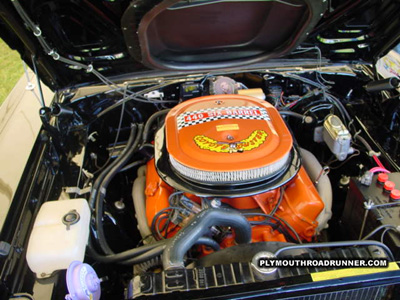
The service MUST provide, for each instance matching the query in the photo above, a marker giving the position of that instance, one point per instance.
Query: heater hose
(99, 201)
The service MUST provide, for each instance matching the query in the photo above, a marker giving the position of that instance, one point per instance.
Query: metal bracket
(78, 191)
(5, 248)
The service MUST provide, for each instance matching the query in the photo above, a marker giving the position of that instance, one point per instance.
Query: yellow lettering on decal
(227, 127)
(255, 139)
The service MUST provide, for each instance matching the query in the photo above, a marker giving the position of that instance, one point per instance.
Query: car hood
(70, 39)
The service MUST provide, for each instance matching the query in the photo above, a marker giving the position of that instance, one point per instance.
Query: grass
(11, 70)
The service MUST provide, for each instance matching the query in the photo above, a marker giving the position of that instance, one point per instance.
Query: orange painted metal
(227, 133)
(207, 132)
(260, 233)
(268, 200)
(157, 192)
(300, 205)
(264, 233)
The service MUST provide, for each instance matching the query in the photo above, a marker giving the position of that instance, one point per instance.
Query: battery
(388, 212)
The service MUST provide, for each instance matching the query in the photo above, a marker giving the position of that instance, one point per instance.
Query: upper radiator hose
(197, 227)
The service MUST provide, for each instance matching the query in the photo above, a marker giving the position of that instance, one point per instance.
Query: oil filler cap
(382, 178)
(388, 186)
(395, 195)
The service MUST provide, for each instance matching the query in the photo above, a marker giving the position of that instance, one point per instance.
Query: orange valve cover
(227, 139)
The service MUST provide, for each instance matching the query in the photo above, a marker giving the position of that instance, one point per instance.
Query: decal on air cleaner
(227, 127)
(255, 139)
(212, 114)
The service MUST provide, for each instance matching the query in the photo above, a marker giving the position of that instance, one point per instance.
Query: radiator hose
(177, 246)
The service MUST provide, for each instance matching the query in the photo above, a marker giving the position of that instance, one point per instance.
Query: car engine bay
(190, 179)
(191, 144)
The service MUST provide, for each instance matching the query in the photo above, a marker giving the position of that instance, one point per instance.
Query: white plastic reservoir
(59, 236)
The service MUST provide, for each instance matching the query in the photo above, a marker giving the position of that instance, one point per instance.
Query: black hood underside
(123, 37)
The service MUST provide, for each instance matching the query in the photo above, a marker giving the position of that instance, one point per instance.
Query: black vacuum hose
(304, 118)
(103, 189)
(125, 255)
(99, 179)
(150, 122)
(143, 253)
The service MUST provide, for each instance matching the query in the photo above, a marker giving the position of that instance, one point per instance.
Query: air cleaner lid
(227, 138)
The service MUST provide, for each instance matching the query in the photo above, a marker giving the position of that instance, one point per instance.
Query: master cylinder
(337, 137)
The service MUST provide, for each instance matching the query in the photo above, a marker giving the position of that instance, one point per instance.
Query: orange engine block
(300, 206)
